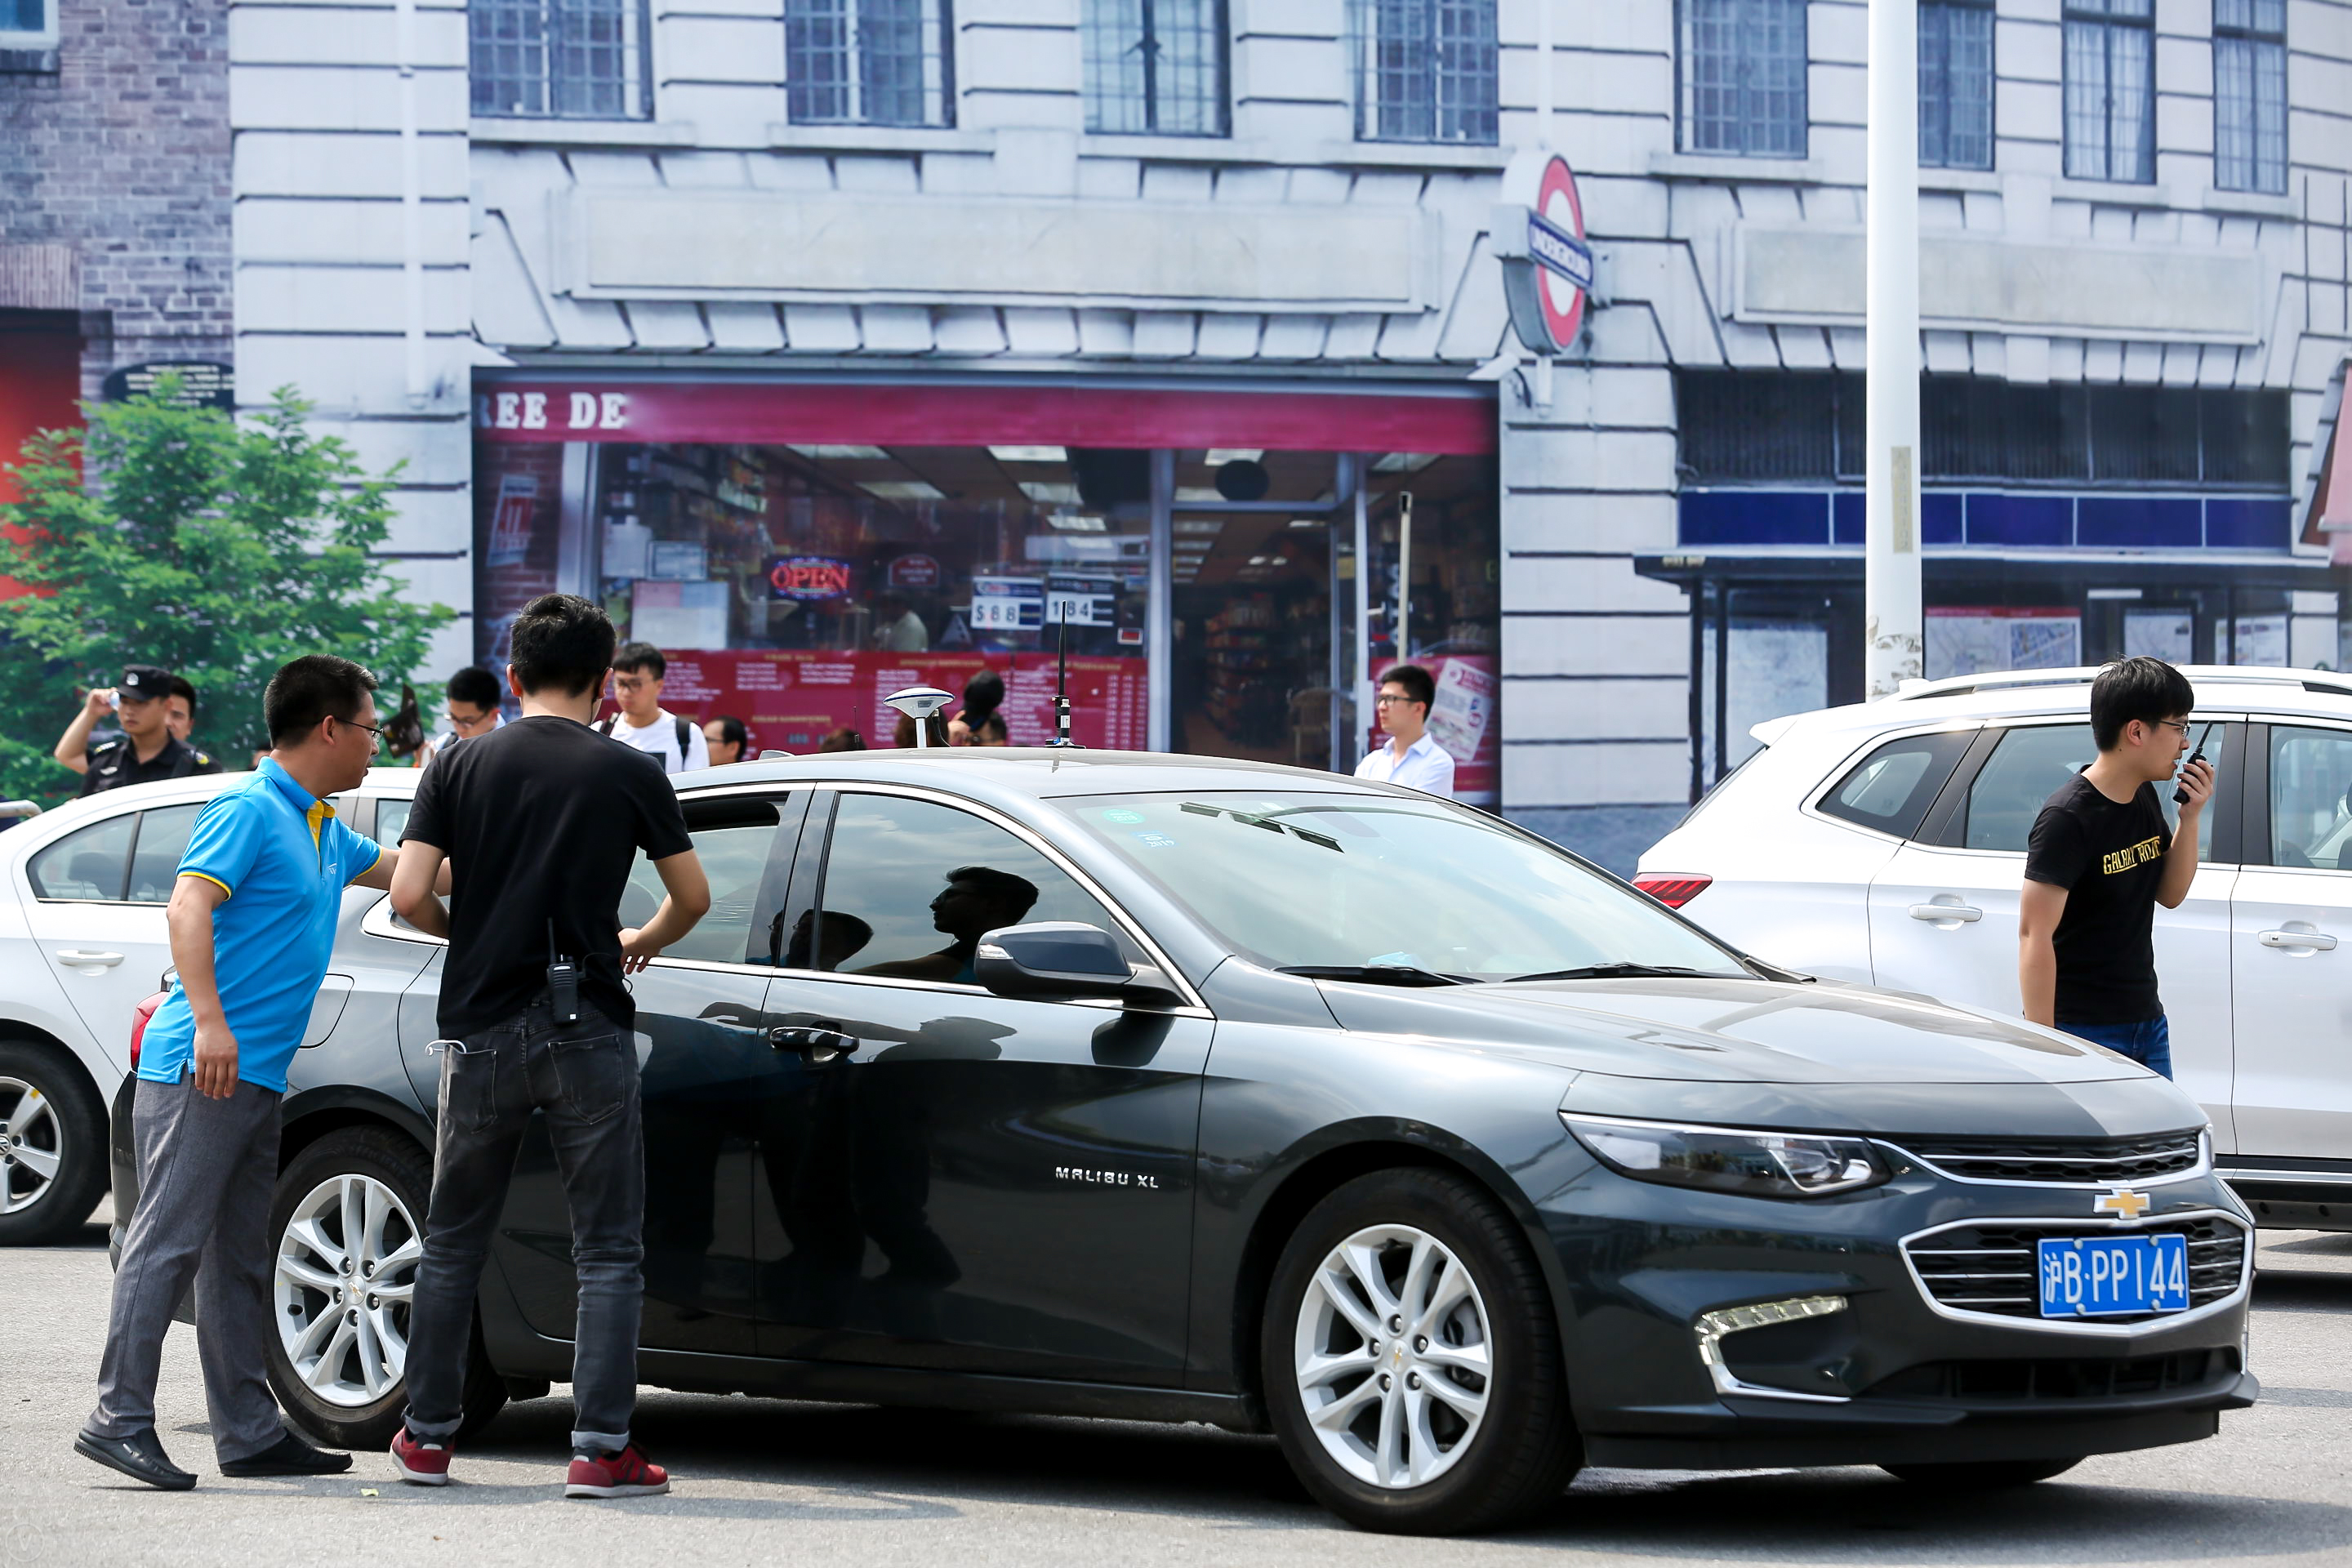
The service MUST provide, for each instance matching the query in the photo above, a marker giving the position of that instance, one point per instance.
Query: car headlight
(1729, 1159)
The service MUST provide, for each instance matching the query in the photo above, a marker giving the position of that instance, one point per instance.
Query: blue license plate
(2102, 1276)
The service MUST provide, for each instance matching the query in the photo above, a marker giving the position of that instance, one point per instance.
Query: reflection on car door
(2291, 947)
(100, 914)
(985, 1185)
(702, 1049)
(1943, 914)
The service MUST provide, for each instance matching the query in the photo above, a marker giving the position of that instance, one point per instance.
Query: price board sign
(1007, 604)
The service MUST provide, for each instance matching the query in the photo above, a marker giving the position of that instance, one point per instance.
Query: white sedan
(82, 943)
(1885, 842)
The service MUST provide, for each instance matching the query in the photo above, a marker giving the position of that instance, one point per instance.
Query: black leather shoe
(289, 1456)
(139, 1456)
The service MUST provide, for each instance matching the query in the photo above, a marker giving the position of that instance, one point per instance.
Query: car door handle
(77, 956)
(1960, 914)
(2312, 939)
(820, 1042)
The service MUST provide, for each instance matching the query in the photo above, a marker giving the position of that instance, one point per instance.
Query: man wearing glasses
(1411, 755)
(2100, 858)
(474, 701)
(252, 921)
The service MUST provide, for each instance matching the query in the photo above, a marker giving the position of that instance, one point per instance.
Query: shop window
(2249, 95)
(1743, 76)
(1156, 66)
(571, 60)
(869, 62)
(1426, 71)
(2110, 73)
(1956, 83)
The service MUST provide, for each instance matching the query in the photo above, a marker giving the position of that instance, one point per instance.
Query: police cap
(145, 681)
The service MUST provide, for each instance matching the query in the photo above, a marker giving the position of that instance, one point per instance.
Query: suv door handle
(2311, 939)
(820, 1042)
(1958, 914)
(76, 955)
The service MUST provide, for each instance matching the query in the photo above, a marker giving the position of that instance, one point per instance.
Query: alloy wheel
(346, 1278)
(1392, 1356)
(32, 1145)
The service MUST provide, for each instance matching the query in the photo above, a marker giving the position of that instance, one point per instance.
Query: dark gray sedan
(1155, 1088)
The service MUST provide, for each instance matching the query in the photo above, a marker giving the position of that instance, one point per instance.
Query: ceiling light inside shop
(865, 452)
(1404, 462)
(1208, 525)
(1193, 494)
(1048, 495)
(1028, 454)
(902, 490)
(1308, 522)
(1218, 457)
(1077, 522)
(1260, 560)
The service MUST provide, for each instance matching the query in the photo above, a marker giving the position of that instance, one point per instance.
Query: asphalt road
(762, 1481)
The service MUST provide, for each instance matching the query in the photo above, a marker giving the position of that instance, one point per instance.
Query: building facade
(838, 342)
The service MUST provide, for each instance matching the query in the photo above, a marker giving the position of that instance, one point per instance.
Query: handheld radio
(562, 981)
(2180, 795)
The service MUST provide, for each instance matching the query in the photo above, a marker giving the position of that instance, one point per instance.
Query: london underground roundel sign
(1538, 235)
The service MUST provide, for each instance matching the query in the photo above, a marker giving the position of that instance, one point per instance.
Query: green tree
(177, 536)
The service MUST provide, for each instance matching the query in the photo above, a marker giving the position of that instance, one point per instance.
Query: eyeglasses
(477, 721)
(2175, 724)
(1391, 699)
(377, 733)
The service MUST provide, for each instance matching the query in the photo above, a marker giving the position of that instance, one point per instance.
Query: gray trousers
(207, 1170)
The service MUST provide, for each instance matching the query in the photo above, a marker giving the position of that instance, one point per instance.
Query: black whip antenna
(1062, 684)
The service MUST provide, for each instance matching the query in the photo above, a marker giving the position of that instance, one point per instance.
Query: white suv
(1885, 842)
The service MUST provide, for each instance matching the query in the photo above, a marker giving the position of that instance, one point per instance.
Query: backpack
(605, 727)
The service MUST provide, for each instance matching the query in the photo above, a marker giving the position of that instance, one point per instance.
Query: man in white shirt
(1411, 755)
(643, 722)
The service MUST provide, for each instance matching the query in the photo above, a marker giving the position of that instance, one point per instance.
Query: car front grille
(2072, 1378)
(1990, 1268)
(2090, 1161)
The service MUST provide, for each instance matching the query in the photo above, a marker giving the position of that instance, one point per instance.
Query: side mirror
(1064, 959)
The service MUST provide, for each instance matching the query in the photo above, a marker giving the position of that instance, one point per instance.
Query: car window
(2032, 760)
(1892, 788)
(390, 819)
(735, 839)
(910, 886)
(155, 861)
(2311, 818)
(89, 866)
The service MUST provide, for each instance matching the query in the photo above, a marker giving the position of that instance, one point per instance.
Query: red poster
(793, 697)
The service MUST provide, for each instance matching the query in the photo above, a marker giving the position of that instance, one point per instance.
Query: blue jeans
(2148, 1043)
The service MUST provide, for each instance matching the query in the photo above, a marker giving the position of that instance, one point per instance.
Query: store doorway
(1252, 616)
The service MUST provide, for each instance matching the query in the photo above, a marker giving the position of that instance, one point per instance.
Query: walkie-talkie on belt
(563, 981)
(2180, 795)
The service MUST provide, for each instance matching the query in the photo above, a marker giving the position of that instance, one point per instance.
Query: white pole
(1403, 638)
(1544, 93)
(1893, 630)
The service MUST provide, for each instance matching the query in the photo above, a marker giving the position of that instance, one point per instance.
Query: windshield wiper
(1373, 974)
(1633, 972)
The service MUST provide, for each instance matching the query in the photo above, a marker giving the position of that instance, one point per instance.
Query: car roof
(1039, 773)
(2027, 693)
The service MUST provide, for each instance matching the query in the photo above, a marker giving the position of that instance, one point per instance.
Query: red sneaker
(625, 1474)
(420, 1464)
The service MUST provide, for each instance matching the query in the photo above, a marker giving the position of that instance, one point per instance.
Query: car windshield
(1355, 882)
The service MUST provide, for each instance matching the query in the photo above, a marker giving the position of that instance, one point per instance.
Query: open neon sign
(808, 577)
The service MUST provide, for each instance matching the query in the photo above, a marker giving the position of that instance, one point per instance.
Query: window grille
(2249, 95)
(1956, 84)
(567, 60)
(1156, 66)
(1743, 69)
(1425, 70)
(868, 62)
(2111, 90)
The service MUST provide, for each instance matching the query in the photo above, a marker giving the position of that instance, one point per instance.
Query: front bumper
(1856, 1362)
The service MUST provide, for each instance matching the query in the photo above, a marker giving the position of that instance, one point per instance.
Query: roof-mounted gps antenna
(921, 703)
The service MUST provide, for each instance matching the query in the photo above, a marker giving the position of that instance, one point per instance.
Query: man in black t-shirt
(540, 821)
(2101, 859)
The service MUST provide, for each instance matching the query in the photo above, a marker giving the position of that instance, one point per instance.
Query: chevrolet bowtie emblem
(2123, 1203)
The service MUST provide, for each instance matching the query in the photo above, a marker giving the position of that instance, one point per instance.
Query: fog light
(1712, 1328)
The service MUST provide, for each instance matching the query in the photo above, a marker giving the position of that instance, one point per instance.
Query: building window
(1156, 66)
(2249, 95)
(568, 60)
(1425, 70)
(28, 24)
(2111, 90)
(1743, 89)
(869, 62)
(1956, 84)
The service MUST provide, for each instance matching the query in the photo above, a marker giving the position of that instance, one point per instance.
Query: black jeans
(585, 1077)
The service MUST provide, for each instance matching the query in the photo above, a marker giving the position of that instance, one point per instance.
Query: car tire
(53, 1162)
(341, 1382)
(1980, 1475)
(1440, 1447)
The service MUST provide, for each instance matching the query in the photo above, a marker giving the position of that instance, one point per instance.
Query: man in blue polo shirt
(252, 921)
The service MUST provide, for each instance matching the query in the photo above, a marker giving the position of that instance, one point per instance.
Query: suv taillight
(138, 1017)
(1672, 890)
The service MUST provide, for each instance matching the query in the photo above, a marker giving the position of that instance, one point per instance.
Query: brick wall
(117, 146)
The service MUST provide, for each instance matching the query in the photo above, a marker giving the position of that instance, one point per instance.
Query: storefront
(1220, 567)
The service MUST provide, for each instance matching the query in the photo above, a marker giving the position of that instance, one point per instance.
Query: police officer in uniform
(148, 749)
